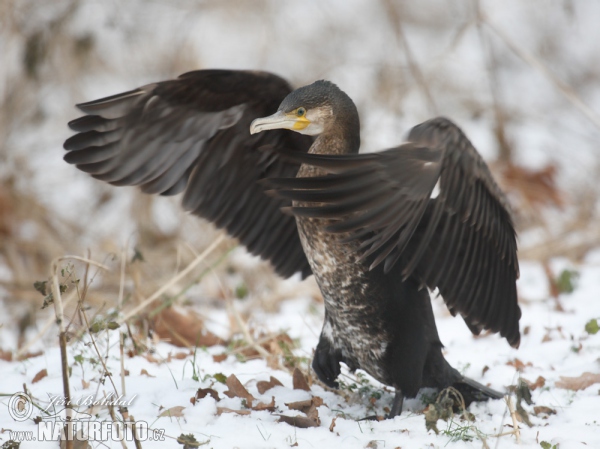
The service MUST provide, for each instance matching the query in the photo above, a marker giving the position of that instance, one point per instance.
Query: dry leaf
(543, 410)
(578, 383)
(301, 422)
(178, 356)
(539, 382)
(39, 376)
(85, 384)
(151, 358)
(173, 412)
(262, 406)
(309, 407)
(218, 358)
(146, 373)
(332, 425)
(236, 389)
(229, 410)
(6, 355)
(183, 330)
(520, 366)
(300, 382)
(202, 393)
(264, 385)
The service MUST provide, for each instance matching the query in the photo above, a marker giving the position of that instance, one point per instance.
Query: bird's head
(310, 110)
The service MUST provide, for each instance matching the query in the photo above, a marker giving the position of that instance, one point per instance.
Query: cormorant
(368, 226)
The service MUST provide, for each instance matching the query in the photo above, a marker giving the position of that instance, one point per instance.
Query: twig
(62, 337)
(532, 60)
(111, 412)
(415, 71)
(173, 280)
(513, 415)
(230, 306)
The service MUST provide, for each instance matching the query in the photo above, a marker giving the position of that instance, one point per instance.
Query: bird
(280, 170)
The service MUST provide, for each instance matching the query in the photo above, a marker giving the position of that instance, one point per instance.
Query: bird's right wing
(192, 135)
(461, 242)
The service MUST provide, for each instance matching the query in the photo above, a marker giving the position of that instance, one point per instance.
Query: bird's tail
(472, 390)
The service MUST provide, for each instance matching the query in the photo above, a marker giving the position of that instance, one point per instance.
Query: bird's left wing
(462, 241)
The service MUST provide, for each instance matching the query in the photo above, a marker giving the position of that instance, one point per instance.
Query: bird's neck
(337, 141)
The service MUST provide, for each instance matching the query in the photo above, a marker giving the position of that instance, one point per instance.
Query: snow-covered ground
(101, 48)
(554, 345)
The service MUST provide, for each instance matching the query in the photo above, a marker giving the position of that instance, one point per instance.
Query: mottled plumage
(365, 225)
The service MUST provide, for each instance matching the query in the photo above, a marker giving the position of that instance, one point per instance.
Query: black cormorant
(366, 225)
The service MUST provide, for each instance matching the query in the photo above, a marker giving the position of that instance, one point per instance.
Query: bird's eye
(300, 112)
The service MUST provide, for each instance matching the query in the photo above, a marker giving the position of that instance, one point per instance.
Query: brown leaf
(218, 358)
(301, 422)
(221, 410)
(202, 393)
(151, 358)
(6, 355)
(578, 383)
(143, 372)
(236, 389)
(303, 406)
(332, 425)
(264, 385)
(543, 410)
(85, 384)
(520, 366)
(183, 330)
(179, 355)
(173, 412)
(309, 407)
(262, 406)
(539, 382)
(300, 382)
(39, 376)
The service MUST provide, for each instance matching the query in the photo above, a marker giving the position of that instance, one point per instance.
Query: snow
(353, 44)
(568, 351)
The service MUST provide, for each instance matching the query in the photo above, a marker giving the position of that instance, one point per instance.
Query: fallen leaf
(332, 425)
(543, 410)
(539, 382)
(302, 422)
(578, 383)
(221, 410)
(146, 373)
(263, 385)
(309, 407)
(262, 406)
(218, 358)
(173, 412)
(520, 366)
(300, 382)
(183, 330)
(179, 356)
(236, 389)
(39, 376)
(202, 393)
(6, 355)
(152, 359)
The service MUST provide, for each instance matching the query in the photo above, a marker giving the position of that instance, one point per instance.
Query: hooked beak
(279, 120)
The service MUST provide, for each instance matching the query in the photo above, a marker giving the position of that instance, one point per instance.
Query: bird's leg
(397, 405)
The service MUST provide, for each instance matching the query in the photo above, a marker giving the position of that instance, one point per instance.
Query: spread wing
(462, 241)
(192, 135)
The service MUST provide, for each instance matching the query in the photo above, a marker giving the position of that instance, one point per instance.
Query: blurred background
(521, 78)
